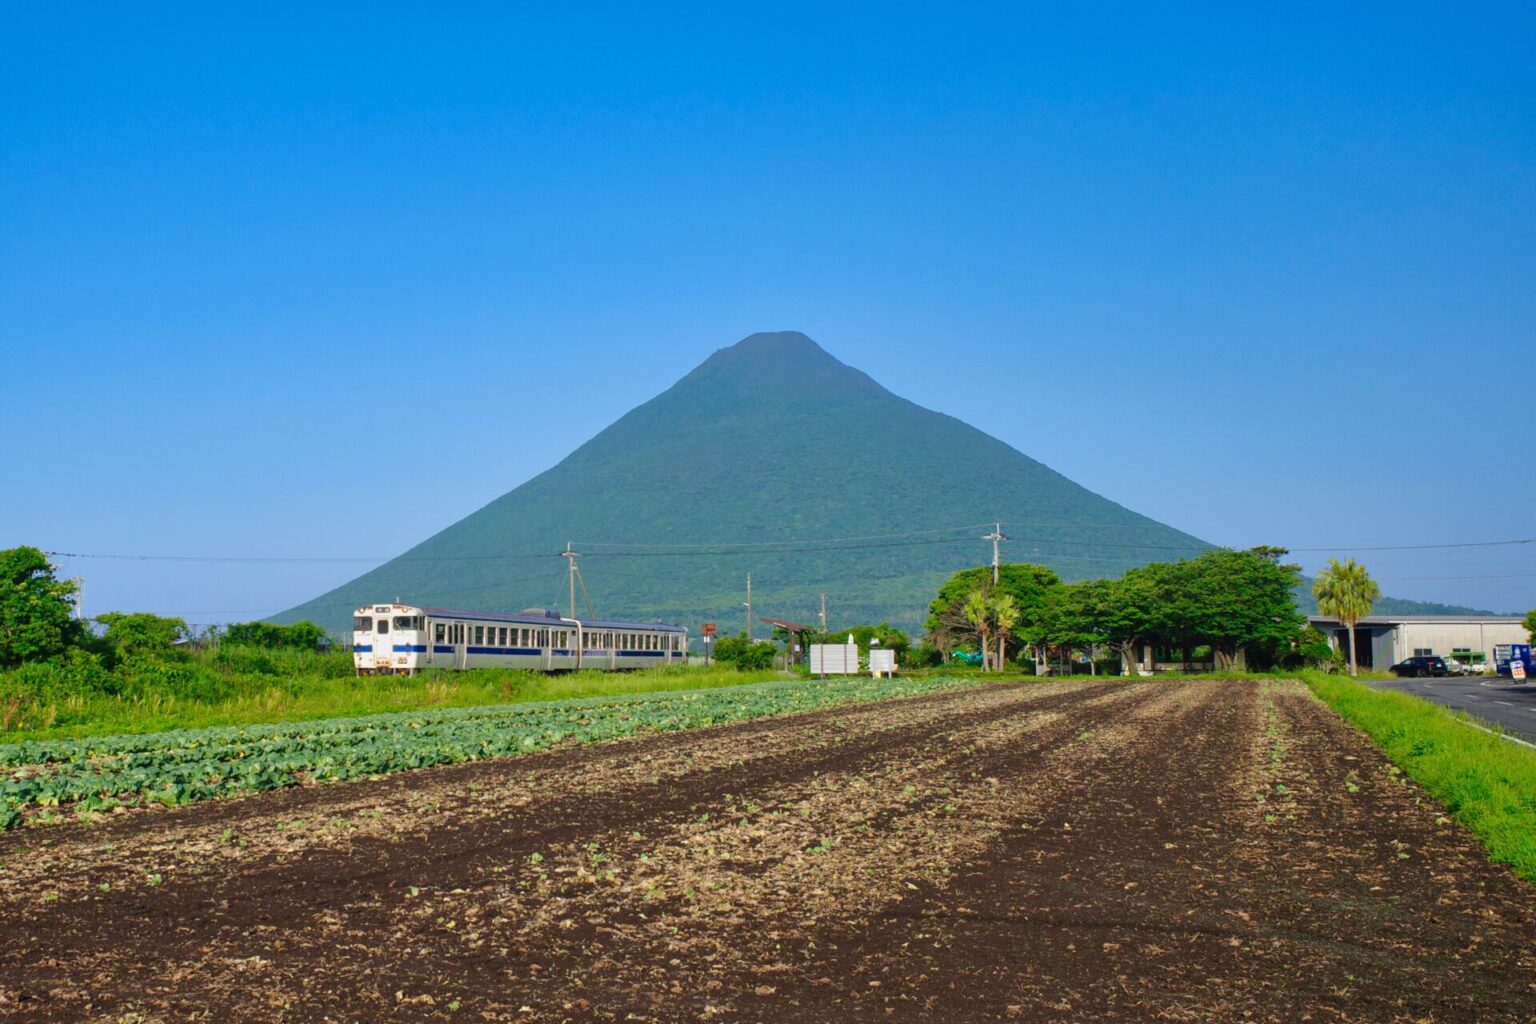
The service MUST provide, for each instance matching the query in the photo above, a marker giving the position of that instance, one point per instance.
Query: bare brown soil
(1138, 851)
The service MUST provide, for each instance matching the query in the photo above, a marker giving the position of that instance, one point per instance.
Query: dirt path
(1075, 851)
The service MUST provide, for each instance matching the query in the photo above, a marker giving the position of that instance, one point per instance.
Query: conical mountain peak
(763, 459)
(778, 360)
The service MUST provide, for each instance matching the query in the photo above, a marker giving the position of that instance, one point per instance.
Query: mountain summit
(770, 457)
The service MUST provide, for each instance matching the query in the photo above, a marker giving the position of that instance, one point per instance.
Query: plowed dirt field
(1130, 851)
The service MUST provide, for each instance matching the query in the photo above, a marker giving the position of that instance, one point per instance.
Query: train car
(400, 639)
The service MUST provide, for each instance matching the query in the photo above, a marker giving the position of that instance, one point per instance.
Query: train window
(439, 632)
(479, 636)
(404, 623)
(501, 636)
(383, 626)
(363, 623)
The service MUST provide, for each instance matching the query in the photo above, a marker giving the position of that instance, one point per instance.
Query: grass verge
(1488, 783)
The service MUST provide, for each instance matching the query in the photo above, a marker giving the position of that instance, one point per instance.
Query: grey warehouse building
(1384, 640)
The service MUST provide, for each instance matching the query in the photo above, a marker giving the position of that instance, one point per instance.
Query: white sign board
(834, 659)
(1516, 669)
(882, 662)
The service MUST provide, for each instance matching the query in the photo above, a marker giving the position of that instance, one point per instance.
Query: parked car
(1455, 667)
(1421, 665)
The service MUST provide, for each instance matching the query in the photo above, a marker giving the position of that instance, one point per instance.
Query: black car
(1421, 665)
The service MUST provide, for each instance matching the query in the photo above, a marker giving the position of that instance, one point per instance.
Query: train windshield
(406, 622)
(363, 623)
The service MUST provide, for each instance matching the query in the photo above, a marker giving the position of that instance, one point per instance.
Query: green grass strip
(1485, 781)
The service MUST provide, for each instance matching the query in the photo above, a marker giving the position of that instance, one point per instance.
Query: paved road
(1492, 700)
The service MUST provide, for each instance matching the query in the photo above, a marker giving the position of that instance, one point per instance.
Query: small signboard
(1517, 669)
(882, 662)
(709, 629)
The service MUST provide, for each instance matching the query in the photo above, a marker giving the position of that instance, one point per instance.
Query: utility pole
(570, 555)
(823, 613)
(749, 607)
(79, 582)
(996, 537)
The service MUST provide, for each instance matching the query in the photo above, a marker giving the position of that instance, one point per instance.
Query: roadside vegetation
(1487, 782)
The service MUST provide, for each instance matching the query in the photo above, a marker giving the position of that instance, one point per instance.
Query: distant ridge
(753, 462)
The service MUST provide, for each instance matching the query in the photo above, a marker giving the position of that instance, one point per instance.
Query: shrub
(298, 635)
(743, 654)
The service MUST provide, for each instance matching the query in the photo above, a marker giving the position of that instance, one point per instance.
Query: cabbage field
(172, 768)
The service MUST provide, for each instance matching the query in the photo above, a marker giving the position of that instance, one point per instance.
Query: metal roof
(793, 627)
(1393, 620)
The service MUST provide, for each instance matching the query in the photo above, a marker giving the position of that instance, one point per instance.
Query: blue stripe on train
(440, 648)
(410, 648)
(363, 648)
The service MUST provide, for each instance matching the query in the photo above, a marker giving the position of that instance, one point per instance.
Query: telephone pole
(996, 537)
(570, 555)
(823, 613)
(749, 607)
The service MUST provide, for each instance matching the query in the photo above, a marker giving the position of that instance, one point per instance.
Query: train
(401, 639)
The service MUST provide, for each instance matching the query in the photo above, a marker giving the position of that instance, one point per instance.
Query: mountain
(774, 458)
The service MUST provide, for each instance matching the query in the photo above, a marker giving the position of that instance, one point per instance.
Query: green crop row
(189, 765)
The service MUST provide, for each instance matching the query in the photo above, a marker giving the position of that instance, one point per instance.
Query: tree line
(1239, 605)
(38, 624)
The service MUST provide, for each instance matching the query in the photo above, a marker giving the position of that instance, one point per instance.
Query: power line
(1420, 547)
(748, 544)
(728, 550)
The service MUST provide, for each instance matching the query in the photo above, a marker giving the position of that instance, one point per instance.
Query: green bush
(142, 632)
(305, 636)
(743, 654)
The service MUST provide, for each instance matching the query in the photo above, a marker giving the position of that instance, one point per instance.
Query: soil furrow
(1114, 850)
(280, 895)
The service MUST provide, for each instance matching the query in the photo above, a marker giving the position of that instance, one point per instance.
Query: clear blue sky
(1265, 275)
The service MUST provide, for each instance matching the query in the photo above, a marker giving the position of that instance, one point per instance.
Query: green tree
(1031, 587)
(1345, 591)
(1005, 617)
(978, 612)
(1127, 613)
(36, 608)
(1530, 625)
(142, 633)
(1077, 616)
(1245, 601)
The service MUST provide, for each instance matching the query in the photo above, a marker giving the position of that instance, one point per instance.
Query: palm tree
(978, 612)
(1005, 615)
(1345, 591)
